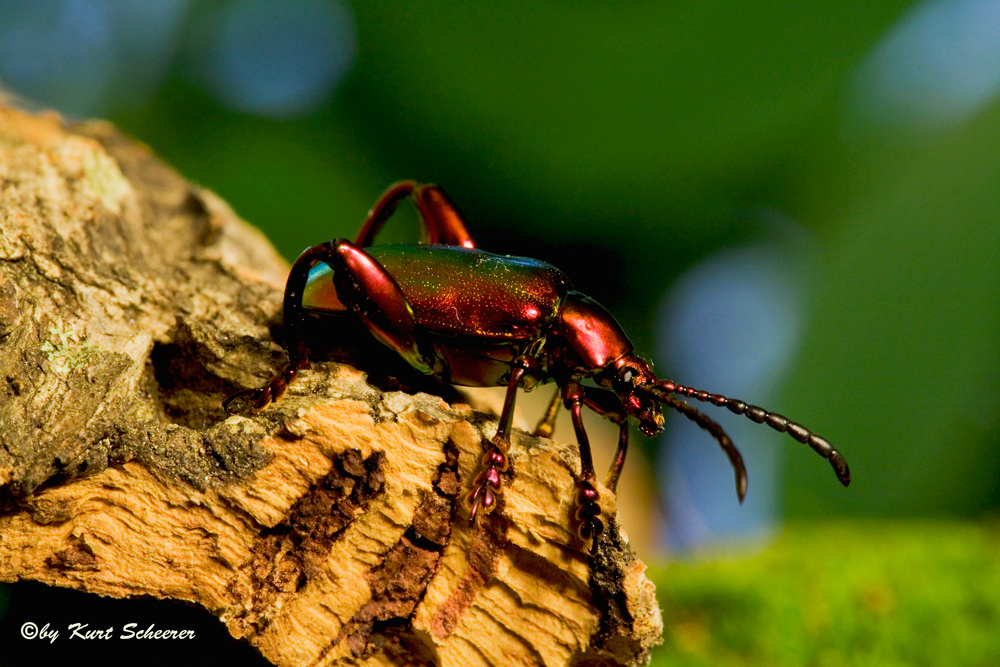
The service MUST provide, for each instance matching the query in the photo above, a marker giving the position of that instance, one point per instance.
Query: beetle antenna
(720, 436)
(664, 388)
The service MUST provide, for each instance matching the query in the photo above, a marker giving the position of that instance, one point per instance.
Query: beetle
(474, 318)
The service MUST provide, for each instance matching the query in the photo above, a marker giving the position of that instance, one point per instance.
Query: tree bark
(330, 529)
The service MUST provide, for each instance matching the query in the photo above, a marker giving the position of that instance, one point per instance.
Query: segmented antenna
(724, 441)
(664, 388)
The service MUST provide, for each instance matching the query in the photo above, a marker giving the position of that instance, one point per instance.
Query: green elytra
(460, 291)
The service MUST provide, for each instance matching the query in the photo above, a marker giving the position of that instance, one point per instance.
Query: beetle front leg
(609, 405)
(486, 487)
(588, 511)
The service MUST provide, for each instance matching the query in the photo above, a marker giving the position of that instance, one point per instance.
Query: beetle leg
(365, 287)
(298, 356)
(368, 289)
(548, 421)
(438, 214)
(382, 211)
(616, 466)
(609, 405)
(486, 487)
(588, 511)
(443, 222)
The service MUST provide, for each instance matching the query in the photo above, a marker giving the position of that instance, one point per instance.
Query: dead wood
(328, 530)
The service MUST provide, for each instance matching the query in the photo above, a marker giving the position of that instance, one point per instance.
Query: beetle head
(629, 376)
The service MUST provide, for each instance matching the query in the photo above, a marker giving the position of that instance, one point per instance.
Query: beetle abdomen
(474, 293)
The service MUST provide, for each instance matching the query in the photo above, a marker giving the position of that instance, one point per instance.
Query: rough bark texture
(328, 530)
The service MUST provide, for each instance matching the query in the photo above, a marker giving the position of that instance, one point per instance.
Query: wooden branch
(329, 530)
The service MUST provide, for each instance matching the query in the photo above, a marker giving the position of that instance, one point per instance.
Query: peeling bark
(328, 530)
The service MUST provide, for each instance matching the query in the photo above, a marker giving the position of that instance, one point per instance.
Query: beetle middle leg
(486, 487)
(548, 421)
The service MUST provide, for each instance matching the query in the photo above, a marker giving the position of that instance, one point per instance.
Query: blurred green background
(624, 143)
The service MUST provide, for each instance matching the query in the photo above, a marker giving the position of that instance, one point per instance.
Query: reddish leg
(609, 405)
(486, 487)
(441, 220)
(364, 287)
(548, 421)
(588, 511)
(256, 400)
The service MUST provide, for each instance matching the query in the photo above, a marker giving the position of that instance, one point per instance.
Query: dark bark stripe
(399, 582)
(287, 555)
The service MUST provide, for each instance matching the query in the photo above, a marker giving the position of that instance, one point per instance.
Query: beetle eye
(626, 379)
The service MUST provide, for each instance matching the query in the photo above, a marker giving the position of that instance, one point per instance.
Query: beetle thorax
(592, 338)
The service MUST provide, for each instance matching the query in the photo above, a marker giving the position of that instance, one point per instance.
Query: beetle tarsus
(248, 401)
(255, 400)
(588, 512)
(487, 487)
(240, 402)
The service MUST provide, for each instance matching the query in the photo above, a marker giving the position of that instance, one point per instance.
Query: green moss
(67, 352)
(106, 179)
(914, 593)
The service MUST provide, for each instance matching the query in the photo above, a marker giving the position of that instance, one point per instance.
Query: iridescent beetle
(477, 319)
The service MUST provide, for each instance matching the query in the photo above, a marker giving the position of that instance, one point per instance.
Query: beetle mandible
(474, 318)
